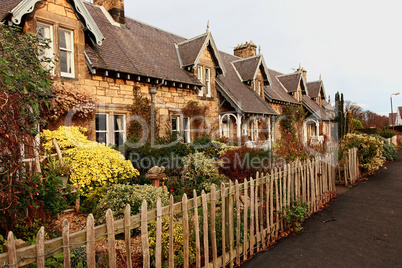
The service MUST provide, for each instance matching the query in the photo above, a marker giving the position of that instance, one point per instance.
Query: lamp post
(392, 112)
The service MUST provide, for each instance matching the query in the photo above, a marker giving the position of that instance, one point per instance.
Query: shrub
(93, 164)
(92, 199)
(119, 195)
(201, 172)
(370, 150)
(243, 162)
(290, 148)
(389, 150)
(295, 215)
(178, 242)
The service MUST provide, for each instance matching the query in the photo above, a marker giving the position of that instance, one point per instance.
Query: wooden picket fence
(351, 171)
(250, 218)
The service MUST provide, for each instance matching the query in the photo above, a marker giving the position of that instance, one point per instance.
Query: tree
(24, 94)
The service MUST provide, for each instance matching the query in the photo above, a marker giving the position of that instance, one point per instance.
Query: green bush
(390, 152)
(295, 215)
(91, 200)
(119, 195)
(370, 150)
(200, 172)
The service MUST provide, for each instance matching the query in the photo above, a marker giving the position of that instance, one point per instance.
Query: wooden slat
(186, 233)
(205, 226)
(11, 250)
(252, 216)
(245, 221)
(171, 233)
(267, 193)
(66, 244)
(40, 240)
(146, 262)
(277, 200)
(231, 225)
(197, 232)
(223, 223)
(110, 238)
(90, 238)
(158, 246)
(271, 204)
(213, 225)
(256, 214)
(238, 223)
(127, 234)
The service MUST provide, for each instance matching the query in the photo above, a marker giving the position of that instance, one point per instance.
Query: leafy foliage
(24, 92)
(295, 214)
(293, 117)
(290, 148)
(119, 195)
(370, 150)
(69, 99)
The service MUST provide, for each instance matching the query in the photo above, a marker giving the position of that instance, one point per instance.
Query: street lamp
(392, 112)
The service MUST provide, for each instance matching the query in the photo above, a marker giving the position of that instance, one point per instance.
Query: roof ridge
(192, 39)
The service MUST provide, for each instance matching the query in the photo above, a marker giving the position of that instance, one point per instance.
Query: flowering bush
(244, 162)
(369, 151)
(201, 172)
(119, 195)
(93, 164)
(289, 148)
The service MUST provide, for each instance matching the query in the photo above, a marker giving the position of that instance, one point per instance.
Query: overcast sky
(355, 45)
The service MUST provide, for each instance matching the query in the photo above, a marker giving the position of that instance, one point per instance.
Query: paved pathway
(367, 231)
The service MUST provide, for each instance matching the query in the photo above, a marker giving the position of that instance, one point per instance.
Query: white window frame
(123, 130)
(199, 72)
(103, 131)
(177, 124)
(69, 52)
(186, 130)
(49, 51)
(258, 87)
(208, 81)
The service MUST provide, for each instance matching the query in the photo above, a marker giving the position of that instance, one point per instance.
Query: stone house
(107, 55)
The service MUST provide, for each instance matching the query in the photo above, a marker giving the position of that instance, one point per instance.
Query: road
(366, 230)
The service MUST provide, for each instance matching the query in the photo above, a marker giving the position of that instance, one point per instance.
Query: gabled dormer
(200, 56)
(254, 72)
(317, 91)
(295, 84)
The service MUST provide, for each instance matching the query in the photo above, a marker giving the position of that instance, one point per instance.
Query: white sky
(354, 45)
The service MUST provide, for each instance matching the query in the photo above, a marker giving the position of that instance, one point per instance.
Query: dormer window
(66, 53)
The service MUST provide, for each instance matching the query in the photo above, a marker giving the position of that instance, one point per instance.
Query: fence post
(238, 223)
(213, 225)
(197, 232)
(127, 234)
(245, 221)
(12, 254)
(171, 232)
(158, 246)
(90, 241)
(231, 225)
(40, 248)
(186, 232)
(252, 211)
(66, 244)
(144, 235)
(110, 238)
(205, 226)
(223, 212)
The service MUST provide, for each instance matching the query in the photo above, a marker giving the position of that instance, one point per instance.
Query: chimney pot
(115, 8)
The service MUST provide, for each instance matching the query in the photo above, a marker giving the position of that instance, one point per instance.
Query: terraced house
(108, 56)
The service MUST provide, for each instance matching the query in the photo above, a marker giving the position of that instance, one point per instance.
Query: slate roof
(276, 91)
(247, 67)
(6, 6)
(137, 48)
(290, 81)
(315, 109)
(190, 49)
(314, 89)
(238, 93)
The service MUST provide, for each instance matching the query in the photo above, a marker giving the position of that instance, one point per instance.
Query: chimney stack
(304, 71)
(115, 9)
(246, 50)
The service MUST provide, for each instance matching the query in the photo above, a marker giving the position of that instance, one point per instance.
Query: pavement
(365, 229)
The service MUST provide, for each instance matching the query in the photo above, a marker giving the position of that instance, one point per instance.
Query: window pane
(65, 39)
(101, 137)
(118, 138)
(100, 121)
(64, 62)
(174, 124)
(118, 122)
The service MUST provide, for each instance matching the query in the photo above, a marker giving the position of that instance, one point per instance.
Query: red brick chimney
(115, 8)
(246, 50)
